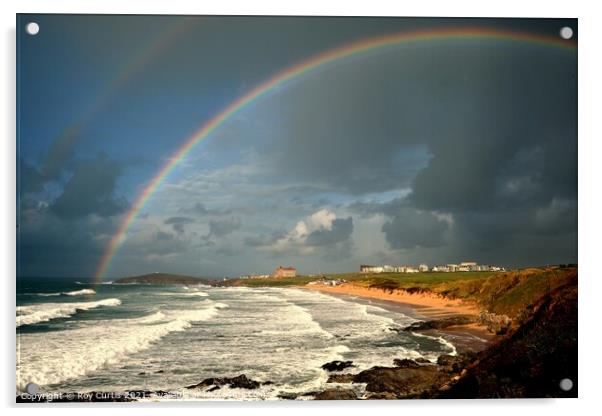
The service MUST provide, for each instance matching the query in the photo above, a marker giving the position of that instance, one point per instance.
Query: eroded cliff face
(532, 360)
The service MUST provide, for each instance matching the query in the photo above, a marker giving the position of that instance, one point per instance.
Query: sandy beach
(425, 306)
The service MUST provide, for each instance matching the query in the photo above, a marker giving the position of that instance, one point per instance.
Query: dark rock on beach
(337, 365)
(238, 382)
(336, 394)
(288, 396)
(402, 382)
(405, 363)
(439, 323)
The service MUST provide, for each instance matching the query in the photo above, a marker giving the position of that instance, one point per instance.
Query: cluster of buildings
(467, 266)
(327, 282)
(255, 276)
(364, 268)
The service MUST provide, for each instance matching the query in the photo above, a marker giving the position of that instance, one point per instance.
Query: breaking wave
(72, 293)
(43, 312)
(69, 354)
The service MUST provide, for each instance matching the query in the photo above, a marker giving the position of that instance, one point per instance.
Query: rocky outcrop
(401, 382)
(455, 363)
(340, 378)
(497, 324)
(439, 323)
(336, 394)
(408, 363)
(337, 365)
(238, 382)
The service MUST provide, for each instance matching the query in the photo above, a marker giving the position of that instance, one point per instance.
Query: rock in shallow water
(337, 365)
(439, 323)
(240, 382)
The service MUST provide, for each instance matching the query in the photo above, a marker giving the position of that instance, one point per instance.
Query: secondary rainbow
(71, 132)
(158, 44)
(346, 51)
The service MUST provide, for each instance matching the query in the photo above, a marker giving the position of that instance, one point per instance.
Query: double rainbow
(346, 51)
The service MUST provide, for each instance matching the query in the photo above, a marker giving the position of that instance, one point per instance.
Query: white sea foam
(199, 293)
(188, 294)
(63, 355)
(42, 312)
(80, 292)
(451, 349)
(72, 293)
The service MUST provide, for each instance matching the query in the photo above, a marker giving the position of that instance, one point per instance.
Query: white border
(590, 35)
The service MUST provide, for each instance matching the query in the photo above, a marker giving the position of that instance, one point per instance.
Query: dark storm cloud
(57, 194)
(465, 113)
(220, 228)
(409, 228)
(30, 178)
(91, 190)
(178, 223)
(52, 165)
(52, 245)
(341, 230)
(60, 153)
(484, 135)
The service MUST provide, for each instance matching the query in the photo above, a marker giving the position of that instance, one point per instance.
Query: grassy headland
(163, 279)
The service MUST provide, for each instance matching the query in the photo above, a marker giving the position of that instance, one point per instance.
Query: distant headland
(164, 279)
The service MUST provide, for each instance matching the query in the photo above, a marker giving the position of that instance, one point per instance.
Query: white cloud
(322, 219)
(295, 240)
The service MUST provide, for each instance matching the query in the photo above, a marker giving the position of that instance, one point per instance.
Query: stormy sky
(434, 152)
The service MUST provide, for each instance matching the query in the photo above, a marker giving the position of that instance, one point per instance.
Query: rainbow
(346, 51)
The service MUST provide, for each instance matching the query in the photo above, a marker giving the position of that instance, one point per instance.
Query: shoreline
(424, 306)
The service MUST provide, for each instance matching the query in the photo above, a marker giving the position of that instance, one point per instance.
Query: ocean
(73, 337)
